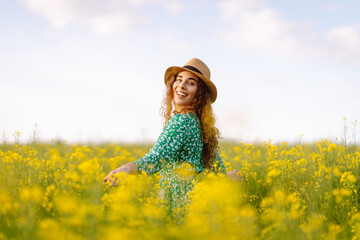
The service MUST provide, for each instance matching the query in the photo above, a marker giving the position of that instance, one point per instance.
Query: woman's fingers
(114, 183)
(234, 175)
(107, 179)
(112, 179)
(119, 173)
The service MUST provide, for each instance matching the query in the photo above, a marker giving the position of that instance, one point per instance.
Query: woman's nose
(182, 85)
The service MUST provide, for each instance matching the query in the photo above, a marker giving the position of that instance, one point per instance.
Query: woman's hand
(233, 175)
(128, 168)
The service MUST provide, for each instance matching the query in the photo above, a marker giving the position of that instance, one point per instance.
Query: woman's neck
(184, 110)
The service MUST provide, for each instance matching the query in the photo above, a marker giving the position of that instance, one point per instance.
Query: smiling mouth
(181, 94)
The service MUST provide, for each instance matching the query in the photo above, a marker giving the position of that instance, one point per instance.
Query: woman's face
(185, 87)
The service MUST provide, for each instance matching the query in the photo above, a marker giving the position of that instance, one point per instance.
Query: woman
(188, 143)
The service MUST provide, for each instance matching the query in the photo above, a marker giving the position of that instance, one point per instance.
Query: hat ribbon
(192, 68)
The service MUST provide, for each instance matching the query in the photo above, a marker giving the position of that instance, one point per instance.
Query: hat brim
(172, 71)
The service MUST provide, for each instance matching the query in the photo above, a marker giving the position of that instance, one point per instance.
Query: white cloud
(103, 16)
(111, 24)
(332, 7)
(173, 6)
(346, 38)
(231, 8)
(258, 27)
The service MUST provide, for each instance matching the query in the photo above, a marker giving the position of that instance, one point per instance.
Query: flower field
(55, 191)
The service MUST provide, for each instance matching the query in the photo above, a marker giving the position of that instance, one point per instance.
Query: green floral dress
(177, 156)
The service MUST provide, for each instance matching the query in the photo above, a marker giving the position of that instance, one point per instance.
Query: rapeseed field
(55, 191)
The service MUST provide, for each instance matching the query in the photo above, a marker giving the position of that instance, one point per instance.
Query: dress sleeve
(219, 166)
(171, 140)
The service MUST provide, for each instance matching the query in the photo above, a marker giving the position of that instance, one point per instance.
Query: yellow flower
(31, 194)
(7, 204)
(340, 194)
(347, 178)
(274, 173)
(336, 172)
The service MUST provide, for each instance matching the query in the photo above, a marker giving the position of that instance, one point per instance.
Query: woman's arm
(129, 168)
(234, 175)
(173, 137)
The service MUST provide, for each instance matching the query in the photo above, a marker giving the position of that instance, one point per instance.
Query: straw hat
(200, 69)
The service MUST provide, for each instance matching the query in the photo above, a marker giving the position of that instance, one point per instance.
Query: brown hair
(202, 107)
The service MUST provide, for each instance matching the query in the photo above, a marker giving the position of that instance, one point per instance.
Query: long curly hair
(202, 107)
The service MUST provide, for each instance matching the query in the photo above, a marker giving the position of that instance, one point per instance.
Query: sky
(93, 70)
